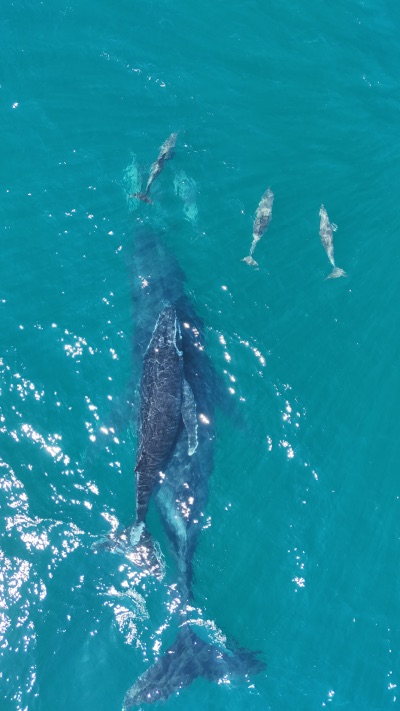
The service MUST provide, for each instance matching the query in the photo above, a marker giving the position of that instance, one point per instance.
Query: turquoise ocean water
(299, 556)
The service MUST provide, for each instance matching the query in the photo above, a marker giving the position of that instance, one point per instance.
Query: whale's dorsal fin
(189, 416)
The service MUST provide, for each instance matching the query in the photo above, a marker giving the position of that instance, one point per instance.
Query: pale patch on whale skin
(186, 189)
(189, 417)
(132, 180)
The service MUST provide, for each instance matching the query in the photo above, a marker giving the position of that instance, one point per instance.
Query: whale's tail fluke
(336, 273)
(144, 197)
(188, 658)
(136, 543)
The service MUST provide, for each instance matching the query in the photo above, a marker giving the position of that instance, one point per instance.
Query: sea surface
(300, 553)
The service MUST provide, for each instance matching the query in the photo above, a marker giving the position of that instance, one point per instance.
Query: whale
(166, 399)
(174, 462)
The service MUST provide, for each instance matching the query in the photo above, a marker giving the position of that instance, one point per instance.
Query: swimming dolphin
(166, 152)
(261, 222)
(326, 230)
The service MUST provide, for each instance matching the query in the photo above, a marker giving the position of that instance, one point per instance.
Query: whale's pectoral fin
(189, 416)
(334, 227)
(136, 544)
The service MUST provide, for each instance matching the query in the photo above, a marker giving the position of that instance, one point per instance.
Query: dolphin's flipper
(188, 658)
(189, 416)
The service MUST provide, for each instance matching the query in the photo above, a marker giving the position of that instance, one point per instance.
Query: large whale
(166, 401)
(173, 412)
(178, 391)
(165, 397)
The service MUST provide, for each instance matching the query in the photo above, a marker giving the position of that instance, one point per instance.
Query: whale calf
(326, 230)
(261, 222)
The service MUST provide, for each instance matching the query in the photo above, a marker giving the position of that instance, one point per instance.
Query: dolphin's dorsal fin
(189, 416)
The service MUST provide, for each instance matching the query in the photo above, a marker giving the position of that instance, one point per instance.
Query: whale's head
(167, 332)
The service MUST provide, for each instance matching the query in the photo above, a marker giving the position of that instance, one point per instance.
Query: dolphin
(261, 222)
(166, 152)
(326, 230)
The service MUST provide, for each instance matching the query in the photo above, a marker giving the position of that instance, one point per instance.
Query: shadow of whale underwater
(161, 306)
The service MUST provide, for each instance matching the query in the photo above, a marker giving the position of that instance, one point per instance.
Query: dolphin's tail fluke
(336, 272)
(249, 260)
(136, 543)
(144, 197)
(188, 658)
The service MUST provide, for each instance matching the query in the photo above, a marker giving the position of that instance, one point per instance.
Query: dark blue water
(298, 556)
